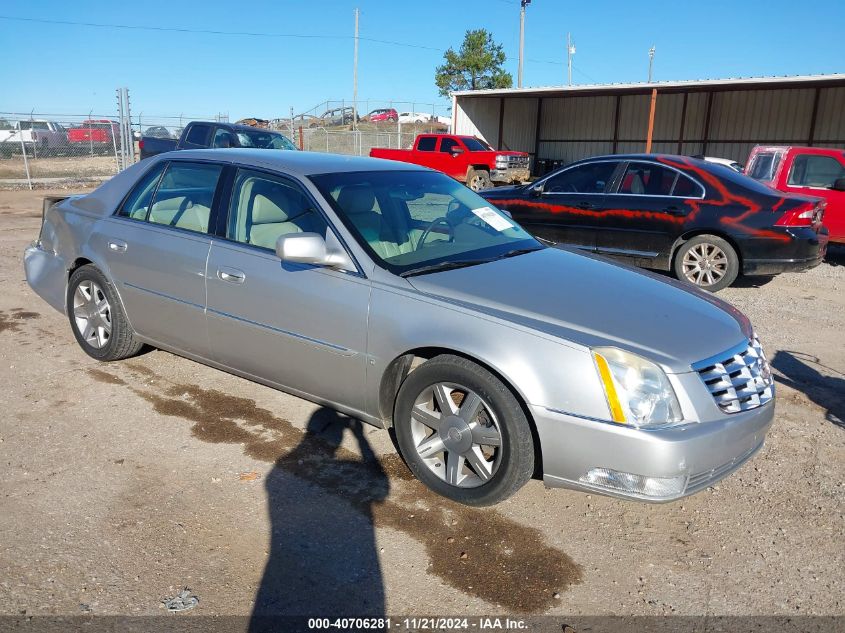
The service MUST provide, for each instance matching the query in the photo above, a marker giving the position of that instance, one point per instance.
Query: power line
(173, 29)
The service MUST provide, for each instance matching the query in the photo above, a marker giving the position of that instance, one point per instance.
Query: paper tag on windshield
(493, 219)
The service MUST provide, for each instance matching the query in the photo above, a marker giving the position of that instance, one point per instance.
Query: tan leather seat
(358, 202)
(182, 213)
(269, 221)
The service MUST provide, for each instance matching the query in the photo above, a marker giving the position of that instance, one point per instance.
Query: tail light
(141, 144)
(808, 214)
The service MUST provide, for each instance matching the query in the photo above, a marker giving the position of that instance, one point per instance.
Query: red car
(383, 114)
(465, 158)
(98, 134)
(812, 171)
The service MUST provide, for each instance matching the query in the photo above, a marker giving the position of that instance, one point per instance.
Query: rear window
(763, 166)
(198, 135)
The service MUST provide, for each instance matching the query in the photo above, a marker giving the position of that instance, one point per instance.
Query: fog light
(653, 487)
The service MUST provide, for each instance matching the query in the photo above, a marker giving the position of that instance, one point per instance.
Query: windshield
(412, 220)
(477, 145)
(265, 140)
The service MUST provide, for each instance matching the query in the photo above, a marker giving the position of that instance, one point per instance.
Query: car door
(569, 206)
(156, 247)
(299, 326)
(426, 152)
(645, 211)
(814, 175)
(453, 160)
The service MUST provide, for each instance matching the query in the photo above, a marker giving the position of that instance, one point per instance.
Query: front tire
(478, 179)
(707, 261)
(462, 432)
(97, 317)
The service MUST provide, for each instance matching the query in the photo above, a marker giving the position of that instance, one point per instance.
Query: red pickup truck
(465, 158)
(100, 135)
(812, 171)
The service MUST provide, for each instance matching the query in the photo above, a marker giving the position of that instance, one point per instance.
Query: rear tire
(707, 261)
(462, 432)
(478, 179)
(97, 317)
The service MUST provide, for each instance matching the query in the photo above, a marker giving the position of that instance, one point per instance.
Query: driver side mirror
(311, 248)
(537, 190)
(457, 151)
(839, 184)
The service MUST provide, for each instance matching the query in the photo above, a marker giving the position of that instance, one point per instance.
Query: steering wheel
(435, 222)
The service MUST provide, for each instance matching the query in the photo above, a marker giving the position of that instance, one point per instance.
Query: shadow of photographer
(826, 391)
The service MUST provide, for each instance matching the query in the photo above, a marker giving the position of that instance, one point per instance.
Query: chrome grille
(517, 161)
(739, 380)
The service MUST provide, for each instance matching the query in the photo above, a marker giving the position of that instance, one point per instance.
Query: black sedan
(703, 221)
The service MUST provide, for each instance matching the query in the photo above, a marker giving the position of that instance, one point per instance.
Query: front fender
(544, 371)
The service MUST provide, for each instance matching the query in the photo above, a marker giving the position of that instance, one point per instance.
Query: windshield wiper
(519, 251)
(422, 270)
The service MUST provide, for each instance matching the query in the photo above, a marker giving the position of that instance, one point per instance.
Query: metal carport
(723, 117)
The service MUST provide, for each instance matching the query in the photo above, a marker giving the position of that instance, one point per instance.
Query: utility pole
(355, 77)
(570, 51)
(650, 62)
(523, 4)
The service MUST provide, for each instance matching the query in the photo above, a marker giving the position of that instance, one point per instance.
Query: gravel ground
(125, 482)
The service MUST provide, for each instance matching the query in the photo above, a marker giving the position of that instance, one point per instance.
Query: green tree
(476, 66)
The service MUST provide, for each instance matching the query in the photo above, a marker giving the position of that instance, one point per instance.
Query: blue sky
(60, 68)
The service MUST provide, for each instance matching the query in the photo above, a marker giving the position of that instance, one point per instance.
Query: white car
(727, 162)
(415, 117)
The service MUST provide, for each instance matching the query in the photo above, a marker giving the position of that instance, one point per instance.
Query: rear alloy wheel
(708, 262)
(97, 318)
(462, 432)
(478, 179)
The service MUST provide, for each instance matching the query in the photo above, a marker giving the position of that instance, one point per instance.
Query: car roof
(296, 163)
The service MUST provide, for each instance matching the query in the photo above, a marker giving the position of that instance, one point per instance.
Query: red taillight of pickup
(808, 214)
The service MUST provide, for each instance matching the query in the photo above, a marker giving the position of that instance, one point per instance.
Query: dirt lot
(125, 482)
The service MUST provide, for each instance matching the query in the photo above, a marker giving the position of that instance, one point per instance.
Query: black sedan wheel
(462, 432)
(97, 318)
(707, 261)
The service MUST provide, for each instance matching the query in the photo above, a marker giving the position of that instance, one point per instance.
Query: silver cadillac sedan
(398, 296)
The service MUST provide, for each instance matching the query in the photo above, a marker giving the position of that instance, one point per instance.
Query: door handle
(585, 205)
(231, 275)
(117, 246)
(673, 210)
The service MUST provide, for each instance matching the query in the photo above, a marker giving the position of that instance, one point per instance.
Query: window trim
(616, 192)
(228, 193)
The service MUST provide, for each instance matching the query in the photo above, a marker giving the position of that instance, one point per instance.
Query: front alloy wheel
(456, 435)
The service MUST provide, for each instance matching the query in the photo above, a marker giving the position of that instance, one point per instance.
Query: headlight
(637, 391)
(501, 161)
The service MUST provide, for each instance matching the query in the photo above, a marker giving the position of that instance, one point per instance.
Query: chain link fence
(44, 148)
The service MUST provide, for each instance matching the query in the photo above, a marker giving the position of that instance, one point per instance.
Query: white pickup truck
(40, 137)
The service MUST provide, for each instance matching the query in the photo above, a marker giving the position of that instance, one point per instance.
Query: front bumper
(701, 453)
(510, 175)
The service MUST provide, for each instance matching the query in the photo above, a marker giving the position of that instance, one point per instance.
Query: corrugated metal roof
(623, 87)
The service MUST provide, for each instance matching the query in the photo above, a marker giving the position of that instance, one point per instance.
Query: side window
(198, 135)
(687, 188)
(184, 197)
(648, 179)
(223, 138)
(264, 208)
(427, 144)
(587, 178)
(137, 203)
(815, 171)
(448, 144)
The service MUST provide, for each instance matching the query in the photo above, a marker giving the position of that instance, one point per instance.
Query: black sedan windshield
(418, 221)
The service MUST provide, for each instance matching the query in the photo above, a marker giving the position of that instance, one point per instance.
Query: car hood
(592, 302)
